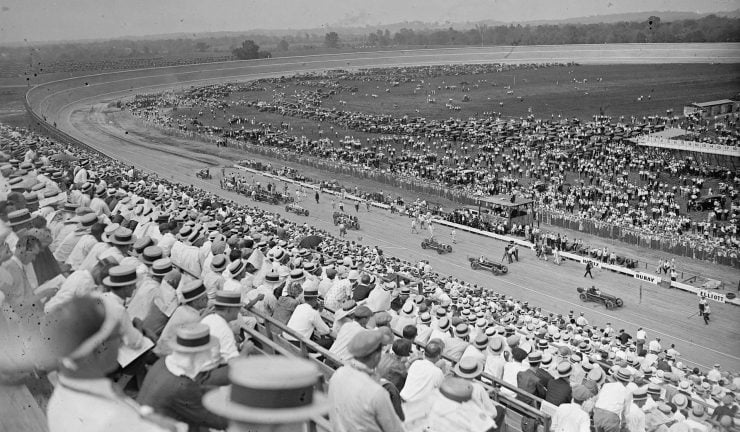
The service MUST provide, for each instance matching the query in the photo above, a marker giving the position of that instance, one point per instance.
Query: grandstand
(198, 219)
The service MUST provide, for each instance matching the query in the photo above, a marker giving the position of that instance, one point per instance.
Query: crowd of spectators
(578, 170)
(99, 266)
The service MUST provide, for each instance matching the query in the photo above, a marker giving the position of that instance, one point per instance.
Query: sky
(53, 20)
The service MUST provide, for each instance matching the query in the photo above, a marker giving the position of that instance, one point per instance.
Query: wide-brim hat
(289, 382)
(468, 367)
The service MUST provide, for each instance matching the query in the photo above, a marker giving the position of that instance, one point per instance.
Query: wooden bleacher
(271, 342)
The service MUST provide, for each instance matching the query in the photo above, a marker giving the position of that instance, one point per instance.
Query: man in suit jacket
(559, 390)
(529, 380)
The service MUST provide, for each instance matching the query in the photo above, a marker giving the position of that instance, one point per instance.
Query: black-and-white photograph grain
(369, 216)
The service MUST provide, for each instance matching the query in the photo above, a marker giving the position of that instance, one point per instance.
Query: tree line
(708, 29)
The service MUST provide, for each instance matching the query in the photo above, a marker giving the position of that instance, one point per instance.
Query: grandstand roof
(712, 103)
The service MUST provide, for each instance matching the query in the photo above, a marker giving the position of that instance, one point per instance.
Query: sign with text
(718, 297)
(647, 277)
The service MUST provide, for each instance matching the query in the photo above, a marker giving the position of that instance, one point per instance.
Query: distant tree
(248, 50)
(201, 46)
(283, 45)
(331, 40)
(653, 22)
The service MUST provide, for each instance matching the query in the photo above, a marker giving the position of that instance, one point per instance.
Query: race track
(77, 107)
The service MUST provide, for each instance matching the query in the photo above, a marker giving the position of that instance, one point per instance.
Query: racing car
(295, 208)
(205, 173)
(595, 295)
(432, 243)
(486, 264)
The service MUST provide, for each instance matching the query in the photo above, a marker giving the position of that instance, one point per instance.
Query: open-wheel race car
(486, 264)
(432, 243)
(295, 208)
(205, 173)
(349, 221)
(267, 197)
(595, 295)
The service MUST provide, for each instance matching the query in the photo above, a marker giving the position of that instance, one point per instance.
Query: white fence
(699, 147)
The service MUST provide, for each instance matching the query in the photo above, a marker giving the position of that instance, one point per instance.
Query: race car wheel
(423, 245)
(287, 208)
(474, 265)
(495, 271)
(583, 297)
(306, 213)
(440, 251)
(448, 248)
(504, 269)
(620, 303)
(609, 304)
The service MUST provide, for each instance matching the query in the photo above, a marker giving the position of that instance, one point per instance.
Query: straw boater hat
(120, 237)
(161, 267)
(219, 263)
(192, 338)
(19, 217)
(272, 279)
(468, 367)
(564, 369)
(151, 254)
(269, 390)
(236, 268)
(228, 299)
(193, 290)
(120, 276)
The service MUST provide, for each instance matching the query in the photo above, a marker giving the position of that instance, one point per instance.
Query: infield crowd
(137, 293)
(584, 171)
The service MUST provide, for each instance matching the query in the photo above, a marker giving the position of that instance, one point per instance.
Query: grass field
(554, 91)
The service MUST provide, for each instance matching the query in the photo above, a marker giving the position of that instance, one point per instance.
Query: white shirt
(184, 314)
(614, 397)
(92, 405)
(305, 320)
(570, 417)
(132, 337)
(635, 420)
(345, 335)
(138, 306)
(80, 251)
(510, 371)
(219, 329)
(641, 335)
(423, 378)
